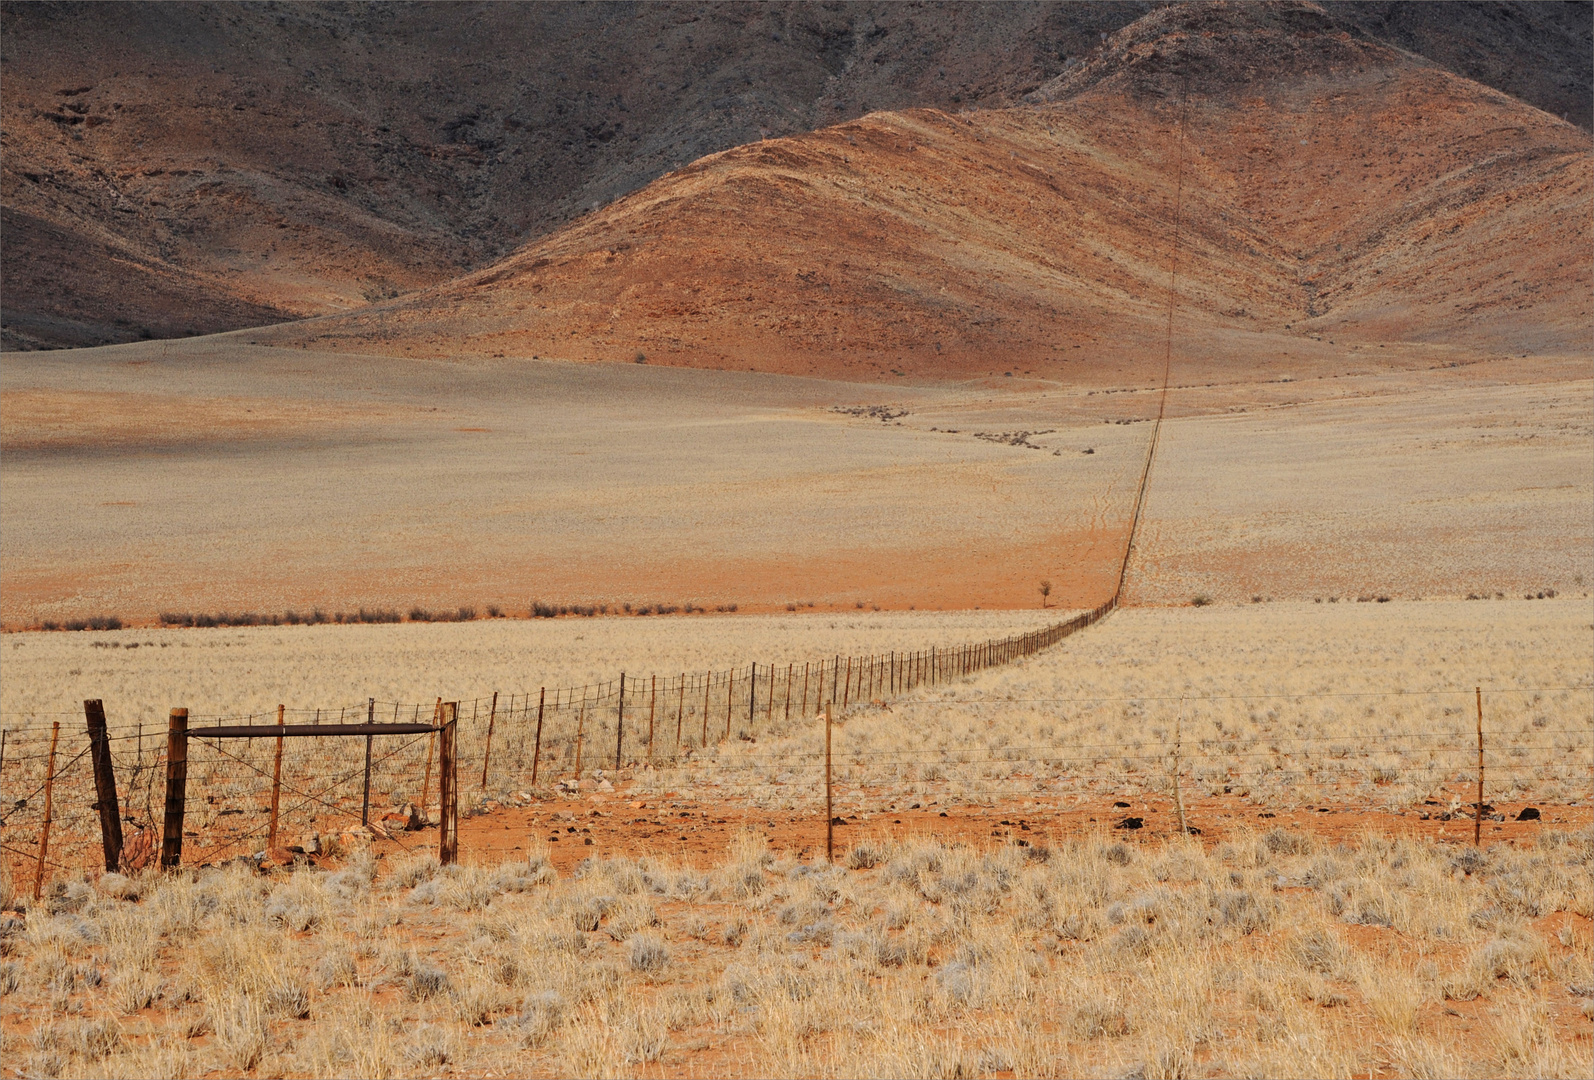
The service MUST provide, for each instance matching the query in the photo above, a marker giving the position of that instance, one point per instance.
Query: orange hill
(1332, 188)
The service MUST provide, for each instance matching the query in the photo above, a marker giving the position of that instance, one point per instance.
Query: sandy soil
(210, 476)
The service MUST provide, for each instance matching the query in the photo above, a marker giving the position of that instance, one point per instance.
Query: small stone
(1529, 813)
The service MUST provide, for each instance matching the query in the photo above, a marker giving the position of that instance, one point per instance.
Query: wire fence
(1368, 750)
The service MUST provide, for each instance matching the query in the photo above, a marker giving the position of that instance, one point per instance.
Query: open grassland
(1236, 711)
(210, 476)
(1283, 705)
(1271, 954)
(242, 670)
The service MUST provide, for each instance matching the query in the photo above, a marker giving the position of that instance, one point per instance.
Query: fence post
(830, 814)
(789, 669)
(846, 685)
(492, 716)
(176, 788)
(105, 785)
(448, 789)
(730, 695)
(581, 723)
(49, 811)
(653, 708)
(804, 711)
(619, 724)
(365, 791)
(752, 692)
(1477, 817)
(1178, 746)
(536, 753)
(680, 711)
(431, 746)
(276, 786)
(708, 679)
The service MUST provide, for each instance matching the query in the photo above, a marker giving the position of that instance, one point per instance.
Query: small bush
(648, 953)
(1200, 601)
(867, 854)
(427, 981)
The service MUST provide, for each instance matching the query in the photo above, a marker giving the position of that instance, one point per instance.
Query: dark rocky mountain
(172, 169)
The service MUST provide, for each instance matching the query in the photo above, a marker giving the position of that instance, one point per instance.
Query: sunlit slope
(1326, 186)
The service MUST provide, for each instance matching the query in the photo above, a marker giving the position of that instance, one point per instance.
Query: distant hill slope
(1331, 187)
(171, 169)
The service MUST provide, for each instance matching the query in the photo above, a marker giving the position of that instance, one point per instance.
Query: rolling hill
(1330, 190)
(178, 169)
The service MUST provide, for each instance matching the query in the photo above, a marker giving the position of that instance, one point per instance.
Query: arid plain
(848, 396)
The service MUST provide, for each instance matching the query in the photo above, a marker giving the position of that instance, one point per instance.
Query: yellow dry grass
(1090, 957)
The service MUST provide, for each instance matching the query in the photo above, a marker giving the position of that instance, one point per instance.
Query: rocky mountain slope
(1328, 189)
(171, 169)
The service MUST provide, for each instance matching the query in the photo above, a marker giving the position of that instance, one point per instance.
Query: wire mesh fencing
(1423, 752)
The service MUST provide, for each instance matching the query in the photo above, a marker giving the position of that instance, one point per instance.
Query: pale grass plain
(1270, 954)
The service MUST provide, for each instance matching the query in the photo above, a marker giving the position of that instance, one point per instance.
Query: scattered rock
(1131, 823)
(1529, 813)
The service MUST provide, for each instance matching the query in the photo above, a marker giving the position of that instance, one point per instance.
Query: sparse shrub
(1319, 951)
(465, 614)
(867, 854)
(427, 981)
(289, 1000)
(542, 1015)
(1200, 600)
(647, 953)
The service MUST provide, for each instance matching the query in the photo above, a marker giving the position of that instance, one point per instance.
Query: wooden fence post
(830, 813)
(105, 786)
(492, 715)
(49, 811)
(1178, 746)
(652, 708)
(680, 711)
(752, 692)
(431, 746)
(1477, 817)
(276, 785)
(708, 678)
(730, 695)
(536, 753)
(176, 788)
(846, 686)
(448, 788)
(804, 711)
(619, 724)
(581, 723)
(365, 791)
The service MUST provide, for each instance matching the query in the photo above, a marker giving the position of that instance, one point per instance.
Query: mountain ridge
(1351, 192)
(180, 169)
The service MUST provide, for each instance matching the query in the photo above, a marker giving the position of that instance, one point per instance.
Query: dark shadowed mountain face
(180, 169)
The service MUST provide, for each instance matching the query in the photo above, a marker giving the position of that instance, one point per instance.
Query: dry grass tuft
(927, 959)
